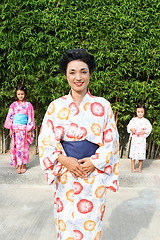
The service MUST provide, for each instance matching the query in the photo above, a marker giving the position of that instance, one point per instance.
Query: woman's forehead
(77, 64)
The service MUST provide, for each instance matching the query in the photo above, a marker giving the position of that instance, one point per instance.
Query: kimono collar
(21, 103)
(140, 118)
(86, 98)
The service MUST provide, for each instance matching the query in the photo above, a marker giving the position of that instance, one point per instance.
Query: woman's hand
(73, 166)
(30, 134)
(11, 133)
(87, 165)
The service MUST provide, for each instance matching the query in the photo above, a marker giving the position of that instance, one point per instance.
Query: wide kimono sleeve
(130, 125)
(49, 146)
(9, 119)
(31, 122)
(147, 128)
(106, 158)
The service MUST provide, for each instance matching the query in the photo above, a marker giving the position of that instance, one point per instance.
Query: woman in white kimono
(78, 149)
(139, 128)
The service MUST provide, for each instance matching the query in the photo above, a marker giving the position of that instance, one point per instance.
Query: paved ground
(26, 204)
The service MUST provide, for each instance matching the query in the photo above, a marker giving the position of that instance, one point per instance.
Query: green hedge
(122, 35)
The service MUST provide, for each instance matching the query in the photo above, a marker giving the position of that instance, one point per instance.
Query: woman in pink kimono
(139, 128)
(20, 121)
(78, 149)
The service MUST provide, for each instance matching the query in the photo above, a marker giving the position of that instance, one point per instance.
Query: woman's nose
(78, 76)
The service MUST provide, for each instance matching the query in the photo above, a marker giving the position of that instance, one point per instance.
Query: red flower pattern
(74, 109)
(47, 163)
(108, 170)
(83, 132)
(57, 169)
(97, 109)
(115, 184)
(95, 157)
(114, 188)
(108, 136)
(50, 124)
(59, 205)
(77, 235)
(71, 133)
(84, 206)
(102, 211)
(99, 171)
(59, 132)
(77, 188)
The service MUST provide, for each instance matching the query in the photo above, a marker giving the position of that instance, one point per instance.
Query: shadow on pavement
(146, 164)
(128, 218)
(33, 162)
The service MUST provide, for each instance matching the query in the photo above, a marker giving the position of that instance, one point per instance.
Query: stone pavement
(26, 204)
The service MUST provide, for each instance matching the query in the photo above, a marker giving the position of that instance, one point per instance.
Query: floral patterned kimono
(138, 142)
(20, 140)
(80, 204)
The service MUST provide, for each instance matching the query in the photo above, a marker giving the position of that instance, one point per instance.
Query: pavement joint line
(36, 178)
(38, 186)
(51, 187)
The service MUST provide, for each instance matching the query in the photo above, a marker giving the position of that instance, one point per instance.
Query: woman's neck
(78, 96)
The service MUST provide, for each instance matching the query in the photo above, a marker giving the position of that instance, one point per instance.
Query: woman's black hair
(22, 88)
(140, 105)
(77, 54)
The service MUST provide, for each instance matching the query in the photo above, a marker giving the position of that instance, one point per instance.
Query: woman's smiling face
(78, 76)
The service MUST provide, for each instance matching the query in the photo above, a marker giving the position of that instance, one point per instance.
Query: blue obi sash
(20, 119)
(79, 149)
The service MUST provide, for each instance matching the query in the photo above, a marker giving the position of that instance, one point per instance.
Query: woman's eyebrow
(72, 69)
(83, 68)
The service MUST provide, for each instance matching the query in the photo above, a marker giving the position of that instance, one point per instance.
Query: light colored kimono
(138, 142)
(80, 204)
(20, 140)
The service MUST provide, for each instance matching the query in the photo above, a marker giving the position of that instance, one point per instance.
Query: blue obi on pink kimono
(20, 119)
(79, 149)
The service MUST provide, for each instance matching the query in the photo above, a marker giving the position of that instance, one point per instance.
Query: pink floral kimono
(80, 204)
(20, 140)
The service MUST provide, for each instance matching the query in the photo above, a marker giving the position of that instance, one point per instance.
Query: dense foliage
(123, 35)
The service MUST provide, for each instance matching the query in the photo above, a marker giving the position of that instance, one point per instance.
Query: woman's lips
(78, 84)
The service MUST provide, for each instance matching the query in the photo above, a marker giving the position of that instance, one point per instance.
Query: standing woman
(20, 121)
(78, 149)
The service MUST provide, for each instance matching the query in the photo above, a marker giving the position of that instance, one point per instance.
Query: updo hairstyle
(77, 54)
